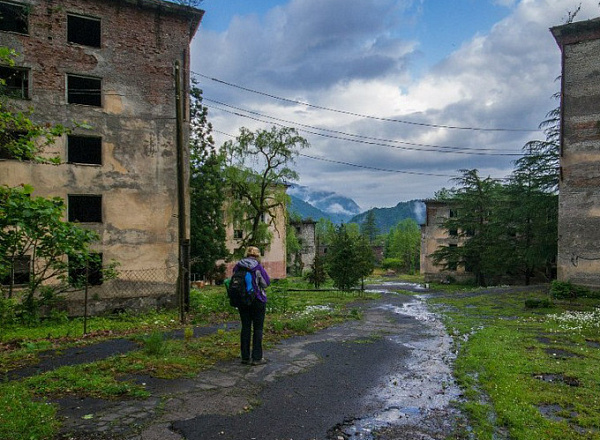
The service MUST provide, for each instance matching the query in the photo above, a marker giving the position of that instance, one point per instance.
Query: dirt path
(386, 376)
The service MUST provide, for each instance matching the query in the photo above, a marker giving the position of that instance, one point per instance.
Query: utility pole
(183, 284)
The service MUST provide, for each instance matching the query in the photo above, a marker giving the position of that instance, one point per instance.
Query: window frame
(25, 78)
(73, 210)
(70, 92)
(88, 18)
(70, 149)
(25, 8)
(10, 136)
(10, 278)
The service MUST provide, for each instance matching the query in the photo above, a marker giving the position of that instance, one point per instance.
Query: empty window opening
(453, 264)
(19, 272)
(15, 82)
(83, 30)
(84, 149)
(77, 271)
(238, 234)
(14, 17)
(84, 90)
(11, 144)
(85, 208)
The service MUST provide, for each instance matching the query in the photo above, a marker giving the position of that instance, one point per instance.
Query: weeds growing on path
(25, 411)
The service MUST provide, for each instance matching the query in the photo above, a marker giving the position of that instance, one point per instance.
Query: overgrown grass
(527, 373)
(24, 411)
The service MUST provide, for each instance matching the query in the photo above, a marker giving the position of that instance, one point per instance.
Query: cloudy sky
(394, 96)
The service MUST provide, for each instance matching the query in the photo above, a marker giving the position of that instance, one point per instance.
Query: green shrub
(567, 290)
(393, 263)
(155, 344)
(8, 307)
(538, 303)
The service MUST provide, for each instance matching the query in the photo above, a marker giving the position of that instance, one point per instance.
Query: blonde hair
(252, 251)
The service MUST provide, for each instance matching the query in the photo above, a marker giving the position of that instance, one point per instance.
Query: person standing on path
(253, 315)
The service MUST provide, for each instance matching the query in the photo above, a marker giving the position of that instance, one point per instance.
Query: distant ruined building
(301, 262)
(109, 64)
(435, 236)
(579, 196)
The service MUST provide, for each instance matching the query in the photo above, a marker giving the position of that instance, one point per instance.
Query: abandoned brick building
(108, 64)
(301, 262)
(434, 236)
(579, 195)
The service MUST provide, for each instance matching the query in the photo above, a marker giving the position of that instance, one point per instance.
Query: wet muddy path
(385, 376)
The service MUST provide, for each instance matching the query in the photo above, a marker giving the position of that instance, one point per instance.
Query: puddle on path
(421, 389)
(389, 286)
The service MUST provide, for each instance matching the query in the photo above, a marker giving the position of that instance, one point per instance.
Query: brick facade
(136, 178)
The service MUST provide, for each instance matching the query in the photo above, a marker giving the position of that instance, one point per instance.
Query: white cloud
(348, 56)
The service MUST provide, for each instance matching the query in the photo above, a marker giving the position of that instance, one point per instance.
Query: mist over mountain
(386, 218)
(337, 208)
(316, 205)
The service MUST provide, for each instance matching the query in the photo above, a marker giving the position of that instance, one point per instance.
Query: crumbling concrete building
(301, 262)
(579, 195)
(110, 65)
(433, 237)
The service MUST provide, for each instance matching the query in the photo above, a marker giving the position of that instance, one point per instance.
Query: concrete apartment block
(110, 65)
(579, 196)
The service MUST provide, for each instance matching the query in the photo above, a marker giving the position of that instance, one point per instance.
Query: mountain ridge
(317, 205)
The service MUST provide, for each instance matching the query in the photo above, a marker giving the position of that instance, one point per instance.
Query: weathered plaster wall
(579, 196)
(274, 259)
(433, 236)
(306, 234)
(137, 178)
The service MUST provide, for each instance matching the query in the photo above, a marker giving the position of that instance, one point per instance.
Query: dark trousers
(253, 320)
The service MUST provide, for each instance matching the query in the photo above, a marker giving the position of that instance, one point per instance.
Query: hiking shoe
(246, 361)
(259, 362)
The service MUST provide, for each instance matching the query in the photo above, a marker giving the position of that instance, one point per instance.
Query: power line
(394, 141)
(323, 159)
(345, 112)
(439, 149)
(416, 173)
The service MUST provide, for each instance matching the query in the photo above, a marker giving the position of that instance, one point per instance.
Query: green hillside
(386, 218)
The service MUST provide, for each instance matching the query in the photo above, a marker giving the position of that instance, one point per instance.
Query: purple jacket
(260, 278)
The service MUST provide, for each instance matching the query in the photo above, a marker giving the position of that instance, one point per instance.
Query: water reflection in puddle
(421, 386)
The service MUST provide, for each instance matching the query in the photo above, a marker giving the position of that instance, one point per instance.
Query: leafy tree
(259, 164)
(20, 137)
(539, 165)
(293, 247)
(317, 275)
(349, 258)
(325, 231)
(508, 229)
(532, 203)
(369, 227)
(365, 259)
(403, 243)
(32, 229)
(473, 204)
(207, 196)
